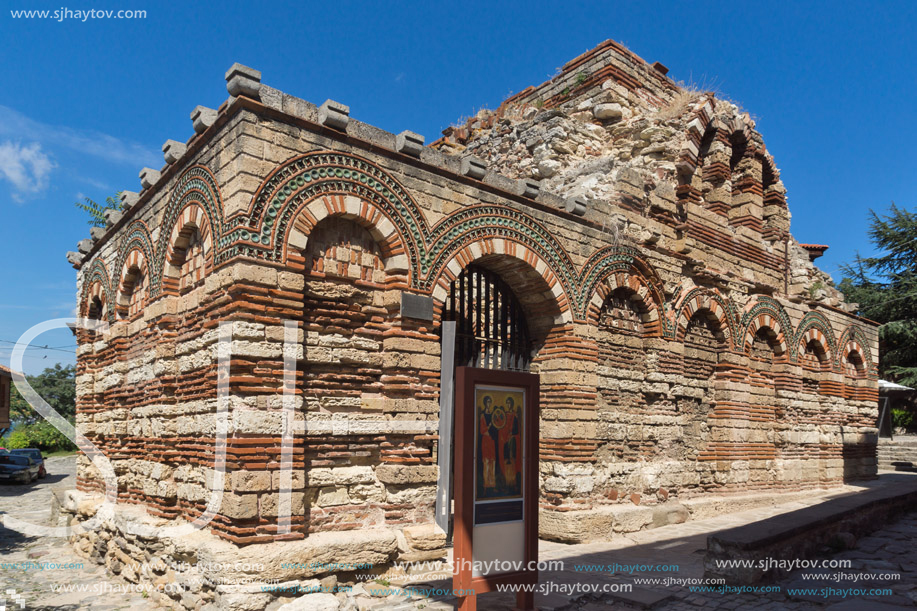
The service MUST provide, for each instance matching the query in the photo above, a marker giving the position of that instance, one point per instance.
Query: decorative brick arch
(284, 209)
(813, 334)
(616, 267)
(292, 199)
(504, 228)
(739, 135)
(501, 247)
(349, 207)
(854, 340)
(815, 326)
(766, 313)
(196, 196)
(135, 259)
(702, 299)
(698, 126)
(191, 218)
(97, 284)
(191, 215)
(637, 286)
(136, 237)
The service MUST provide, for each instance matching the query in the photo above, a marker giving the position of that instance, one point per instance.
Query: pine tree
(885, 287)
(96, 211)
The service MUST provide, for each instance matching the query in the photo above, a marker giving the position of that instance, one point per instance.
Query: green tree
(96, 210)
(885, 287)
(41, 435)
(56, 385)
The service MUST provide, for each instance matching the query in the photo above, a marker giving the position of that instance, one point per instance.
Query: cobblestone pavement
(889, 551)
(32, 567)
(882, 574)
(885, 559)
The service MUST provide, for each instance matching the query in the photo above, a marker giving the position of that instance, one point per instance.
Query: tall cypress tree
(885, 286)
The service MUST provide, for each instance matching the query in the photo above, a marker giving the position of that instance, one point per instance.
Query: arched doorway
(491, 330)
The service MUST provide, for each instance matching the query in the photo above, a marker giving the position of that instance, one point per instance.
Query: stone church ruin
(625, 238)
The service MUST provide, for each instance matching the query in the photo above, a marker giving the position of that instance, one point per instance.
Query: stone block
(297, 479)
(353, 475)
(149, 177)
(527, 187)
(607, 112)
(372, 493)
(112, 216)
(409, 143)
(333, 495)
(228, 599)
(97, 233)
(406, 474)
(128, 199)
(84, 245)
(258, 422)
(320, 601)
(250, 481)
(74, 258)
(270, 97)
(239, 506)
(551, 200)
(576, 205)
(473, 167)
(669, 513)
(173, 150)
(334, 115)
(242, 80)
(319, 476)
(425, 537)
(299, 107)
(575, 526)
(632, 518)
(270, 504)
(202, 118)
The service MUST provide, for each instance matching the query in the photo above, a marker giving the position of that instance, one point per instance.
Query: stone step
(899, 442)
(911, 468)
(806, 530)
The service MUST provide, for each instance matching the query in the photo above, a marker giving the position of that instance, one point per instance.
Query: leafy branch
(96, 211)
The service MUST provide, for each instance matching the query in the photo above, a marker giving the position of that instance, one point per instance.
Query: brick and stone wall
(683, 345)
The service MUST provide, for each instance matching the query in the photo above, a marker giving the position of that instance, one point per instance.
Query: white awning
(891, 386)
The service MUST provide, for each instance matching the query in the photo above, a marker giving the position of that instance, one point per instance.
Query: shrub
(902, 418)
(41, 435)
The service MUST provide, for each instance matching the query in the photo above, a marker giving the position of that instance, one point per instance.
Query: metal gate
(491, 331)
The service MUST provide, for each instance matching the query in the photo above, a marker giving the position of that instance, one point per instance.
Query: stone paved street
(889, 551)
(886, 551)
(19, 555)
(886, 559)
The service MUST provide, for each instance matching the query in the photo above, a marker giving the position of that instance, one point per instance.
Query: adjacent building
(6, 384)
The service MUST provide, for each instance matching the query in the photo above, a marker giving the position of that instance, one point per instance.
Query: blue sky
(87, 104)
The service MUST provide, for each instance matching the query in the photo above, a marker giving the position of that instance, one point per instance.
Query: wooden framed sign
(496, 482)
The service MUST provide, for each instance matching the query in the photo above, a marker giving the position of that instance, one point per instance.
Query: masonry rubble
(687, 347)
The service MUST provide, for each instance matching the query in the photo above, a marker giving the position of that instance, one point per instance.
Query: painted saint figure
(507, 444)
(488, 449)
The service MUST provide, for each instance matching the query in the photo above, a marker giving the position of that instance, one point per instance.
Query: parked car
(35, 455)
(19, 469)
